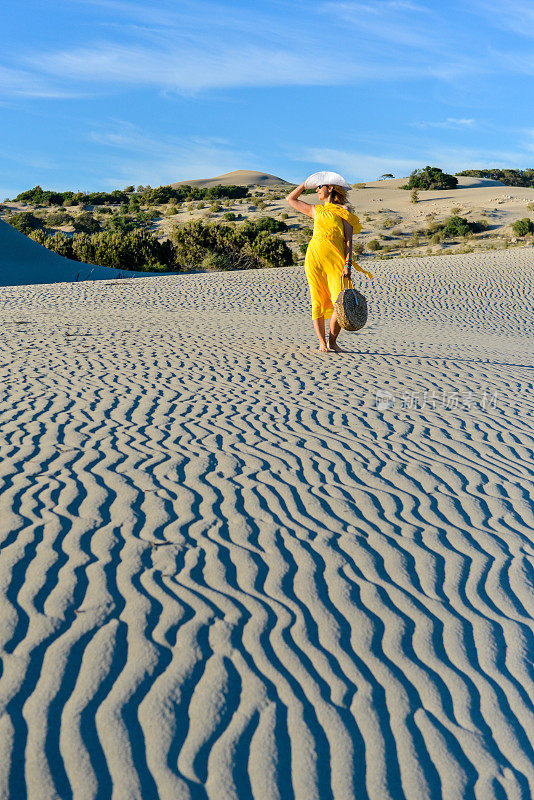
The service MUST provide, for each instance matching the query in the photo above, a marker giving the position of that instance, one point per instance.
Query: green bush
(431, 178)
(165, 194)
(215, 207)
(133, 250)
(456, 226)
(24, 222)
(510, 177)
(357, 247)
(522, 227)
(229, 216)
(58, 218)
(86, 223)
(252, 227)
(216, 262)
(59, 242)
(195, 240)
(373, 245)
(271, 250)
(123, 224)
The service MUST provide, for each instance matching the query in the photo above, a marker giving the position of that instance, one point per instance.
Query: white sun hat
(326, 179)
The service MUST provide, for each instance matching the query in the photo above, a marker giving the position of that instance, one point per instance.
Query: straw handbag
(351, 307)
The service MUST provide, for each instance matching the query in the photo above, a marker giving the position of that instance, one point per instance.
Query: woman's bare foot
(333, 346)
(323, 348)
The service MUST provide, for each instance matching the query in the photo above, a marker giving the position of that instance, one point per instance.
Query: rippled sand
(226, 573)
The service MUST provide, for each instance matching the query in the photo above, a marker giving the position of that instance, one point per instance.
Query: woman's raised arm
(300, 205)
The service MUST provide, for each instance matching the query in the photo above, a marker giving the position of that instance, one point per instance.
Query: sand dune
(23, 261)
(226, 573)
(240, 177)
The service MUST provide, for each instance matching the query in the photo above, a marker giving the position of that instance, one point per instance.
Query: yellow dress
(325, 256)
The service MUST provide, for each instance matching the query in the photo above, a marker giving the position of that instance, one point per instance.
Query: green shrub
(522, 227)
(284, 215)
(131, 250)
(146, 194)
(414, 196)
(271, 250)
(86, 223)
(215, 207)
(431, 178)
(251, 249)
(229, 216)
(254, 226)
(122, 224)
(373, 245)
(58, 218)
(59, 242)
(134, 250)
(437, 238)
(456, 226)
(510, 177)
(357, 247)
(25, 222)
(216, 262)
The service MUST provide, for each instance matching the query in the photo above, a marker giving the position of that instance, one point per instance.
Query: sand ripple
(225, 573)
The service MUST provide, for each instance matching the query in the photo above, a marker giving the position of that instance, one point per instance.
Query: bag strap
(349, 279)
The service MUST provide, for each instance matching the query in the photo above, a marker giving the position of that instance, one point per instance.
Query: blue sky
(99, 94)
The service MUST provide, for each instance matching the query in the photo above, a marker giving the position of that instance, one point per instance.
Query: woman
(329, 254)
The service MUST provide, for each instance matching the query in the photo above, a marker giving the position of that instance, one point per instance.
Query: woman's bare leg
(318, 324)
(335, 327)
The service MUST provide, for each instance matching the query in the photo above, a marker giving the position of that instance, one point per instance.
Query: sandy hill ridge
(239, 177)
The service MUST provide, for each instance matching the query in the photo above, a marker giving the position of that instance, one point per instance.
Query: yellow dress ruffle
(325, 256)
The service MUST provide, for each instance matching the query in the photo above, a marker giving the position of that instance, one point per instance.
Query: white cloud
(361, 166)
(23, 83)
(141, 158)
(450, 122)
(511, 15)
(401, 23)
(191, 48)
(355, 166)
